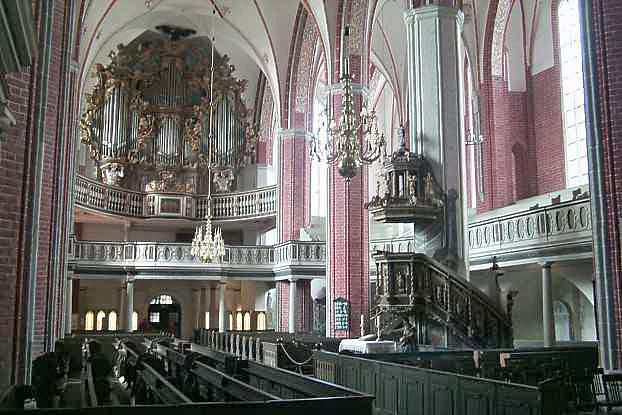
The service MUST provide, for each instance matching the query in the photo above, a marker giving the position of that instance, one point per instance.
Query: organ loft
(397, 207)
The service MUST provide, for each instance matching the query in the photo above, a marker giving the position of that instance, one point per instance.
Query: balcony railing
(554, 230)
(231, 206)
(174, 255)
(519, 233)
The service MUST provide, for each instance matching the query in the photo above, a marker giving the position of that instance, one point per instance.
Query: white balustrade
(110, 199)
(130, 254)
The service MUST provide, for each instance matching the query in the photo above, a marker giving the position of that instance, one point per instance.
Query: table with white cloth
(366, 347)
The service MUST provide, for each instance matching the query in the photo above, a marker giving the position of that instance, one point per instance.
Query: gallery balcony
(162, 260)
(553, 227)
(255, 204)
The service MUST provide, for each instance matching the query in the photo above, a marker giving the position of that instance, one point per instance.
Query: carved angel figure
(223, 180)
(432, 193)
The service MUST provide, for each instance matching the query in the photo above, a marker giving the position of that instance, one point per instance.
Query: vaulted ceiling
(258, 34)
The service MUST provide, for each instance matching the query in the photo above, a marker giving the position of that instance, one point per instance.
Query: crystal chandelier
(209, 246)
(343, 146)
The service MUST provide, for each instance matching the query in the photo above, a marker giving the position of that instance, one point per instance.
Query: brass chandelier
(343, 146)
(209, 246)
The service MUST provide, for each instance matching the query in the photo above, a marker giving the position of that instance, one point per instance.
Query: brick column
(304, 305)
(292, 307)
(223, 323)
(602, 44)
(68, 302)
(348, 244)
(294, 183)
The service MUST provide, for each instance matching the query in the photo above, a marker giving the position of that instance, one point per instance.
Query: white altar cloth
(367, 347)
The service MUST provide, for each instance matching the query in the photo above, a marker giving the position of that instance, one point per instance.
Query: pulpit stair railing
(415, 292)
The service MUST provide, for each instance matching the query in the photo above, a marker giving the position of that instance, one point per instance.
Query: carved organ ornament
(149, 112)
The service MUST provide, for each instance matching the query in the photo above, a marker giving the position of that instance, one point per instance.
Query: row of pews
(493, 381)
(177, 375)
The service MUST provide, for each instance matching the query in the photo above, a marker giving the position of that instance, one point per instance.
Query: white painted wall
(514, 43)
(542, 54)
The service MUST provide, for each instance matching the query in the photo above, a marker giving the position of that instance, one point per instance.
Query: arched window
(134, 321)
(89, 320)
(207, 319)
(162, 299)
(261, 321)
(247, 321)
(112, 321)
(239, 324)
(573, 103)
(101, 315)
(319, 170)
(563, 321)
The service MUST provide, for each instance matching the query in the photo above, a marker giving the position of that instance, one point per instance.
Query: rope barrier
(292, 359)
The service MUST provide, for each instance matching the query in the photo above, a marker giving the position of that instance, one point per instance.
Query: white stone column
(222, 312)
(205, 304)
(434, 85)
(129, 301)
(68, 302)
(196, 298)
(122, 317)
(293, 309)
(548, 318)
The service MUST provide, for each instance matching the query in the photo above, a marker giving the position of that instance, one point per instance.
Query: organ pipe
(150, 111)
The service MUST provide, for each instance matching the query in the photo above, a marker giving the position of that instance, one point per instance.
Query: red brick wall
(524, 144)
(606, 18)
(295, 186)
(283, 304)
(16, 190)
(548, 131)
(13, 177)
(304, 319)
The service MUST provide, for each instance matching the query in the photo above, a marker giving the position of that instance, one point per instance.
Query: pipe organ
(147, 120)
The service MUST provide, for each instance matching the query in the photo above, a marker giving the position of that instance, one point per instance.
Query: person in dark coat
(102, 370)
(44, 374)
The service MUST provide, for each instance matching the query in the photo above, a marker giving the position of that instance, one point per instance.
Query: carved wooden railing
(416, 283)
(511, 230)
(94, 195)
(554, 227)
(128, 254)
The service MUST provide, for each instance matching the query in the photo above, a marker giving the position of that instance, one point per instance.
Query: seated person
(62, 369)
(44, 375)
(101, 369)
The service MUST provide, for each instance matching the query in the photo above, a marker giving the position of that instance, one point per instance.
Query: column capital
(357, 89)
(293, 279)
(284, 133)
(546, 264)
(431, 11)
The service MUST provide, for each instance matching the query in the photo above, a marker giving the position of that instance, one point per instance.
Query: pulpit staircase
(422, 303)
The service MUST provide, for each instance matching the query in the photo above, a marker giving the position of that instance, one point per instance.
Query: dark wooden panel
(388, 393)
(414, 391)
(476, 397)
(443, 391)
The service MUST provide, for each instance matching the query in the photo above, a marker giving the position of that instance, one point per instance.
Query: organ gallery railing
(111, 199)
(129, 254)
